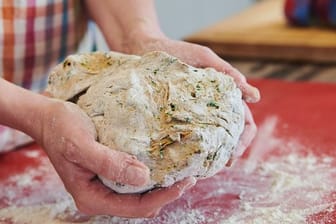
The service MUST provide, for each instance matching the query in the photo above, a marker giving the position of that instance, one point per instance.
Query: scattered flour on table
(294, 185)
(32, 154)
(32, 185)
(286, 187)
(64, 211)
(293, 193)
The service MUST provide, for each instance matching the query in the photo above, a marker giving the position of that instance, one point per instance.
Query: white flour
(297, 187)
(288, 186)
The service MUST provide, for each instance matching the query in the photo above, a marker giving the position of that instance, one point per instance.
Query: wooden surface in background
(312, 72)
(261, 32)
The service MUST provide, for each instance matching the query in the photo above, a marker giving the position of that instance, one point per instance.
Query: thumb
(111, 164)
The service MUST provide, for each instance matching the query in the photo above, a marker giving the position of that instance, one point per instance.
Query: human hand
(200, 56)
(68, 137)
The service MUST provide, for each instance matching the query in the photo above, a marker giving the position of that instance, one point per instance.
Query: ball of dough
(179, 120)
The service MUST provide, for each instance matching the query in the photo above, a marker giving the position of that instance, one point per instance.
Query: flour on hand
(179, 120)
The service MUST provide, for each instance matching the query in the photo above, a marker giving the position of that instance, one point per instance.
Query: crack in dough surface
(179, 120)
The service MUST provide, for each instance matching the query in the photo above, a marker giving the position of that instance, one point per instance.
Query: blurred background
(282, 39)
(179, 18)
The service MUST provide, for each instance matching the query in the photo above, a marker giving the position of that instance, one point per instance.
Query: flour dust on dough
(179, 120)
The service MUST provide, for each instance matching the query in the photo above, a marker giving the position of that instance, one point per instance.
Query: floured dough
(179, 120)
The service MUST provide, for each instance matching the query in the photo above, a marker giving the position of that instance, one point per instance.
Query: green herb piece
(198, 87)
(213, 104)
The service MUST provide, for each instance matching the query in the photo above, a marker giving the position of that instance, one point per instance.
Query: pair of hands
(68, 136)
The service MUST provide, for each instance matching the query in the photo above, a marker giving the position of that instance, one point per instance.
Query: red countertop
(286, 176)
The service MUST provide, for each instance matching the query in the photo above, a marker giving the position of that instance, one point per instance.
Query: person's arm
(20, 109)
(9, 115)
(68, 136)
(124, 22)
(131, 26)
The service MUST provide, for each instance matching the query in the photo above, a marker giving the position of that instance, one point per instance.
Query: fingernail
(253, 95)
(136, 176)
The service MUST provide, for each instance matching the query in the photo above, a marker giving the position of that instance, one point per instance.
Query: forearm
(125, 21)
(20, 109)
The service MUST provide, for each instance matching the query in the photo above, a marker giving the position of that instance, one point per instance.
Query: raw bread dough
(179, 120)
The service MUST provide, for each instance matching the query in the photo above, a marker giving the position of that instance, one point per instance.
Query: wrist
(126, 24)
(21, 109)
(32, 117)
(40, 117)
(140, 39)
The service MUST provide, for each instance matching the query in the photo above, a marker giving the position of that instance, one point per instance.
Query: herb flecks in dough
(179, 120)
(213, 104)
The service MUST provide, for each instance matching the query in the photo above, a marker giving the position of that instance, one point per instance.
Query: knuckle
(235, 73)
(107, 168)
(230, 70)
(206, 51)
(70, 151)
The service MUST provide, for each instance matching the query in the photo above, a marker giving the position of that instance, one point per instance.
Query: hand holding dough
(179, 120)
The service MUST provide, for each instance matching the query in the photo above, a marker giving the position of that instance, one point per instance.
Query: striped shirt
(35, 35)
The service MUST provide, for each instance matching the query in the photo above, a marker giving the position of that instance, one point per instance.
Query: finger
(112, 164)
(159, 197)
(129, 205)
(250, 93)
(152, 202)
(248, 134)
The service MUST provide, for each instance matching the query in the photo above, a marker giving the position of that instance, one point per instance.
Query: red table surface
(290, 116)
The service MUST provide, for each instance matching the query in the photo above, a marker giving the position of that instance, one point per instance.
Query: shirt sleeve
(11, 139)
